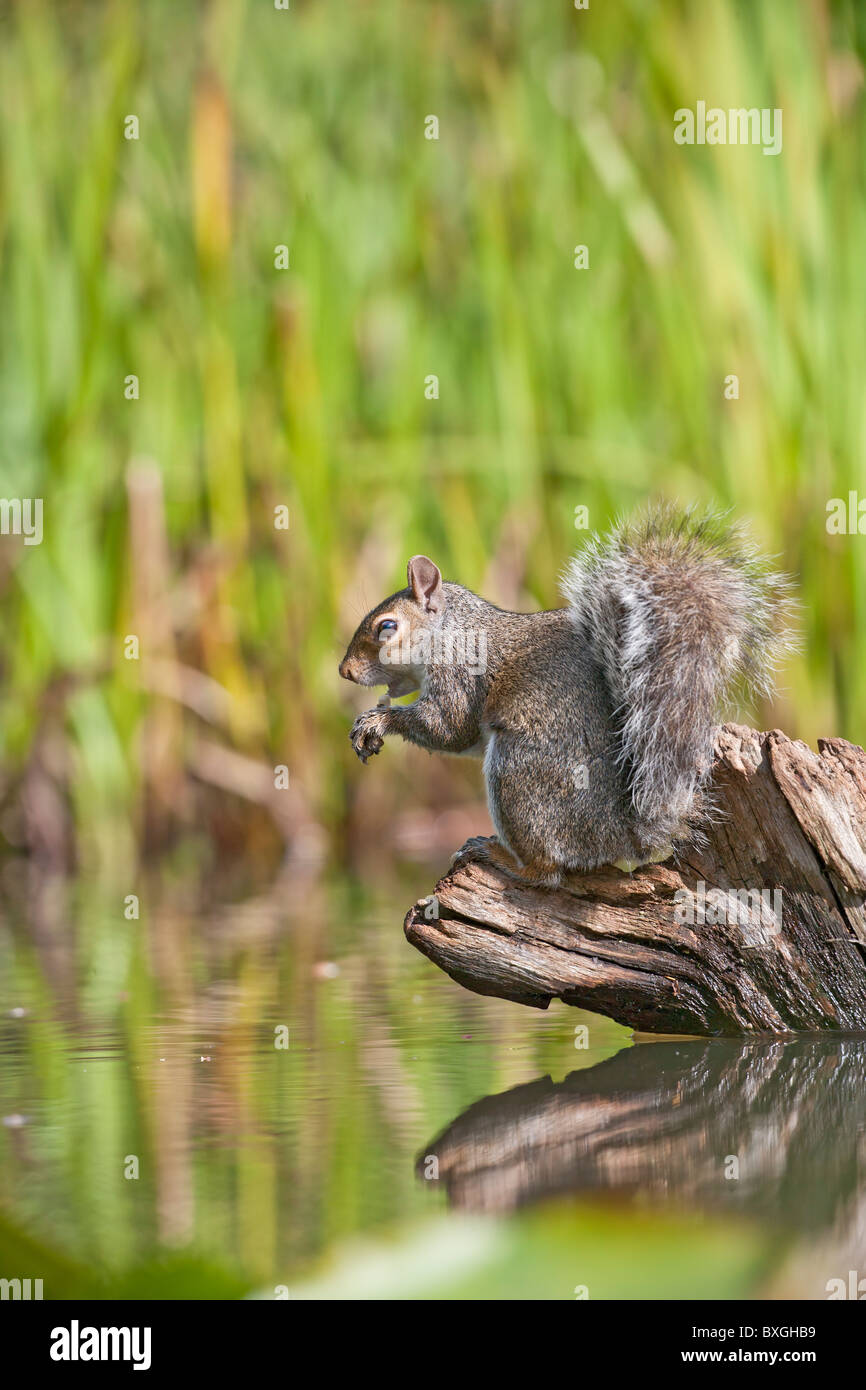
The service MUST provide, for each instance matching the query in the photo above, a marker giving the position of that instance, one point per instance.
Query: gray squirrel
(596, 721)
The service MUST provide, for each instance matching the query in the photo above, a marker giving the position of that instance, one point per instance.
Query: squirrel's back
(678, 609)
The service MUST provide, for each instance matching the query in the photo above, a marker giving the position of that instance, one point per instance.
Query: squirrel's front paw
(368, 733)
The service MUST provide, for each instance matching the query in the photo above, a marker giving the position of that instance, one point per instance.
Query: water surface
(278, 1093)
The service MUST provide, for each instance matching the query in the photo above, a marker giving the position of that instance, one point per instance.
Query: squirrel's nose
(346, 670)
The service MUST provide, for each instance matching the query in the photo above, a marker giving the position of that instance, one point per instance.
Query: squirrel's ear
(425, 581)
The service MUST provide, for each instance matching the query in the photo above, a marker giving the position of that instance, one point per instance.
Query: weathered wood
(789, 820)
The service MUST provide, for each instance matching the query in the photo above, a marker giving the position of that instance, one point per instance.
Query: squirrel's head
(388, 647)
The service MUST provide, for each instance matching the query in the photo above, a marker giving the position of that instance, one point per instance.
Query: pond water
(280, 1097)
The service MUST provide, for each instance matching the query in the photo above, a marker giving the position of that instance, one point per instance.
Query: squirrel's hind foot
(487, 849)
(629, 866)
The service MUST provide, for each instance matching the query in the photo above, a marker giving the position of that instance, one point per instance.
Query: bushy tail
(679, 609)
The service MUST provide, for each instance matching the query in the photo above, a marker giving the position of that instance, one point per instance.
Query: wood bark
(789, 822)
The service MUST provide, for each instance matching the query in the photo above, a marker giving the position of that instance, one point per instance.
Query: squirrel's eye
(387, 626)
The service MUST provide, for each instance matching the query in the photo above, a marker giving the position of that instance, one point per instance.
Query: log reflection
(769, 1130)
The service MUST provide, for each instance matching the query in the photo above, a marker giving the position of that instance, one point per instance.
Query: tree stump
(689, 946)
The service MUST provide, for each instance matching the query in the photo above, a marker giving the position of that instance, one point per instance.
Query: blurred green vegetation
(304, 387)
